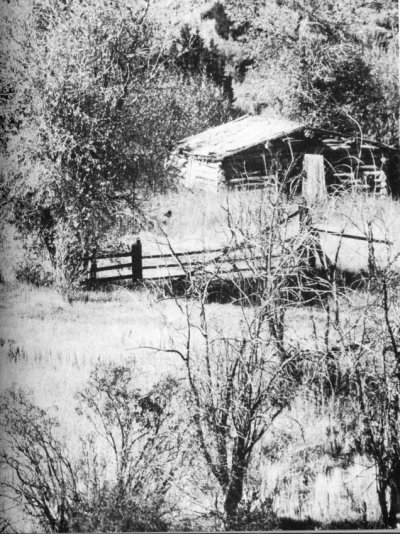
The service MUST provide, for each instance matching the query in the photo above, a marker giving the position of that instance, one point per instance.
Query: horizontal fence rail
(351, 236)
(189, 253)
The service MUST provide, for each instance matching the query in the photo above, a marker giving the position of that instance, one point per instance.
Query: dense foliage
(90, 114)
(332, 64)
(94, 96)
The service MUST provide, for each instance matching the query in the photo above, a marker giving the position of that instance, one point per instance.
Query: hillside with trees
(95, 94)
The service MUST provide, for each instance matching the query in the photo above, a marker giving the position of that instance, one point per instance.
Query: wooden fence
(148, 267)
(177, 265)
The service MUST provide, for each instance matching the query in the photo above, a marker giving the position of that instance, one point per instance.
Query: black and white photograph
(199, 266)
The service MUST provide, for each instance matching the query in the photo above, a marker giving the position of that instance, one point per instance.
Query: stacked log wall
(348, 163)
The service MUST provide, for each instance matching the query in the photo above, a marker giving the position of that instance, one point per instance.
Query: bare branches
(239, 384)
(45, 478)
(83, 494)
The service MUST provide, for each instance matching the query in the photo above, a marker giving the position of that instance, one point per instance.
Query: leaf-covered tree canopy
(328, 63)
(90, 112)
(95, 93)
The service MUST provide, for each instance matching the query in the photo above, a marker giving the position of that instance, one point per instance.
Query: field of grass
(50, 344)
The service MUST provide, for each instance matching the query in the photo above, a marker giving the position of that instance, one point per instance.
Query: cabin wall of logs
(349, 164)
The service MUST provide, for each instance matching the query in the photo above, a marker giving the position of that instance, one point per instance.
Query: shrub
(123, 489)
(33, 270)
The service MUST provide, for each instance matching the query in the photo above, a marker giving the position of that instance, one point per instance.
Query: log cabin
(255, 151)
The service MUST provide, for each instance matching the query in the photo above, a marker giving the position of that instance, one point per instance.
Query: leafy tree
(341, 93)
(90, 115)
(322, 62)
(70, 159)
(193, 57)
(222, 23)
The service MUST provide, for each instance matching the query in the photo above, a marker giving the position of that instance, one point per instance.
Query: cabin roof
(249, 131)
(237, 135)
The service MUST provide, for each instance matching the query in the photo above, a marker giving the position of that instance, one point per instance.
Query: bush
(33, 270)
(255, 515)
(123, 489)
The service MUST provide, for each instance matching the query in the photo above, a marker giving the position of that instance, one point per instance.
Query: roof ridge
(238, 134)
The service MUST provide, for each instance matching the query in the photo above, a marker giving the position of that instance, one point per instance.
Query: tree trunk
(394, 513)
(232, 500)
(234, 492)
(383, 503)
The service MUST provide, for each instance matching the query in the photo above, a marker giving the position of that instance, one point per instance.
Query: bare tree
(374, 393)
(36, 470)
(241, 379)
(137, 429)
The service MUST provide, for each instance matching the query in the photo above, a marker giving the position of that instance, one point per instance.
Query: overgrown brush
(126, 490)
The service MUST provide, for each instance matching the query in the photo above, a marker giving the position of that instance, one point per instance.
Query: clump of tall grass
(192, 218)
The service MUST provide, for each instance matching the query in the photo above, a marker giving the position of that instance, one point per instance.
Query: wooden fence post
(304, 216)
(371, 252)
(306, 227)
(137, 263)
(314, 186)
(93, 269)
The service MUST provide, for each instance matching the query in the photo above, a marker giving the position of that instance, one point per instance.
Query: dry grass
(50, 345)
(63, 341)
(203, 219)
(307, 483)
(200, 220)
(59, 343)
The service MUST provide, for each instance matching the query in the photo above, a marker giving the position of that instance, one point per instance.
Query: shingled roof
(237, 135)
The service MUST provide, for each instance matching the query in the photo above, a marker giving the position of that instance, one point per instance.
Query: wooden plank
(236, 182)
(352, 236)
(171, 255)
(163, 266)
(93, 268)
(114, 267)
(188, 253)
(137, 261)
(314, 186)
(109, 255)
(159, 278)
(115, 278)
(206, 177)
(369, 168)
(225, 272)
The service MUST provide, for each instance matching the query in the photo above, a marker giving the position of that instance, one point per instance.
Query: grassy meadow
(50, 346)
(51, 341)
